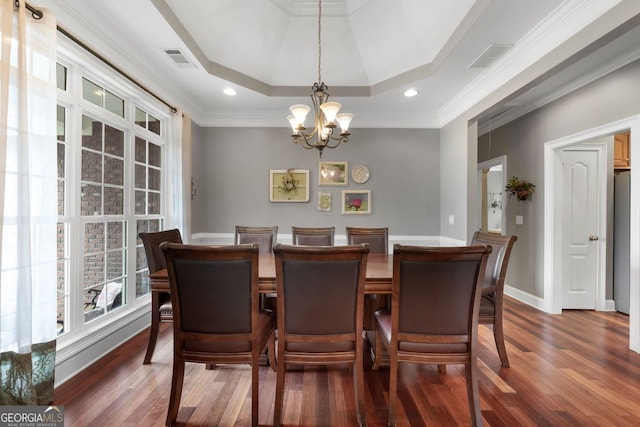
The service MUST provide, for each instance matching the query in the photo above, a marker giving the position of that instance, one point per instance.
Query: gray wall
(458, 160)
(231, 171)
(611, 98)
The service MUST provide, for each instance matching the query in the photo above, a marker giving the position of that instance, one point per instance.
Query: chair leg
(177, 379)
(473, 393)
(255, 366)
(498, 335)
(393, 390)
(155, 326)
(442, 369)
(277, 413)
(271, 352)
(358, 383)
(379, 348)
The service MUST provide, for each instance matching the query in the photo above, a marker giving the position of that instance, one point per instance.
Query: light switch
(519, 220)
(451, 220)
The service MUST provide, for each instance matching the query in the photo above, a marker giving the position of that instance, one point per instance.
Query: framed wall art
(289, 185)
(333, 173)
(356, 202)
(324, 201)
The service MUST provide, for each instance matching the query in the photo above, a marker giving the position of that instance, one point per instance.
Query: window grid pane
(102, 170)
(101, 97)
(142, 272)
(147, 121)
(61, 76)
(148, 178)
(104, 274)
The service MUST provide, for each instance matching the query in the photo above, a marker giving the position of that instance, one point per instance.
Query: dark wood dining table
(378, 279)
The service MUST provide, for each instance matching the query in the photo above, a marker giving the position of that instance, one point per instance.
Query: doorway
(554, 222)
(491, 182)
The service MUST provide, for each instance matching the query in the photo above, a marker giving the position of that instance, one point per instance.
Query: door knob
(593, 238)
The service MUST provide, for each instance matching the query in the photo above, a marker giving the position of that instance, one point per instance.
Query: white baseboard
(609, 305)
(524, 297)
(79, 355)
(538, 302)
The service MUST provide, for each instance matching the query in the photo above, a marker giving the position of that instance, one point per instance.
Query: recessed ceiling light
(410, 92)
(229, 91)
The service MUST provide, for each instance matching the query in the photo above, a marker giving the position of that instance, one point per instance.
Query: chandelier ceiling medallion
(326, 113)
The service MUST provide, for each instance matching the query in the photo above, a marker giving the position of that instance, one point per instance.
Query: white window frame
(79, 64)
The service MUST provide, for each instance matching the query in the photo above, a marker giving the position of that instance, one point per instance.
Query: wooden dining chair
(493, 286)
(313, 236)
(265, 237)
(377, 238)
(161, 309)
(433, 319)
(320, 310)
(217, 318)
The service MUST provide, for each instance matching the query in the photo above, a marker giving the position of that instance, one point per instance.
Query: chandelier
(325, 113)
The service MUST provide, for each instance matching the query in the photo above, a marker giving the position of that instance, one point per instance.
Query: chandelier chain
(319, 40)
(325, 113)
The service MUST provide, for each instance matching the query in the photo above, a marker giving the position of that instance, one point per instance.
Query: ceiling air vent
(490, 55)
(178, 57)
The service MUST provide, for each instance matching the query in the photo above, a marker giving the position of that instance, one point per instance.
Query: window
(111, 147)
(63, 232)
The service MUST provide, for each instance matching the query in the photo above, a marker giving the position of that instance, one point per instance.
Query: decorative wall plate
(360, 174)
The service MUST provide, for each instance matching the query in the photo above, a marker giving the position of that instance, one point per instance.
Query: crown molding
(362, 119)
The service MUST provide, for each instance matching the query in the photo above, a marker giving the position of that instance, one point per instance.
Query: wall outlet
(519, 220)
(451, 220)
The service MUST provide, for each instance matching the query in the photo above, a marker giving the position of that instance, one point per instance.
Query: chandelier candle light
(326, 113)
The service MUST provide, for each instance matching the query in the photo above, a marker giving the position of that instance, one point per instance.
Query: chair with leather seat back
(217, 319)
(320, 310)
(377, 238)
(435, 301)
(493, 286)
(313, 236)
(265, 237)
(161, 309)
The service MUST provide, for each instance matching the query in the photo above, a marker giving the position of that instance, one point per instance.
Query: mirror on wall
(491, 183)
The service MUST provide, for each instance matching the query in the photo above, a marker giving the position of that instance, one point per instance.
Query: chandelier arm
(304, 139)
(339, 140)
(305, 145)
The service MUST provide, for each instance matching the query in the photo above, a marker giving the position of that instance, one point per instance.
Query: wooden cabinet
(621, 153)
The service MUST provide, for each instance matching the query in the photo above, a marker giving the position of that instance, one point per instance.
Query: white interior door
(581, 234)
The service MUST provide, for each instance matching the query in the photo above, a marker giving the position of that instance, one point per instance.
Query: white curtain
(178, 195)
(28, 205)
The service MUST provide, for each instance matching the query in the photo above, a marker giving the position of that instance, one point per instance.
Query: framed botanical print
(333, 173)
(289, 185)
(324, 201)
(356, 202)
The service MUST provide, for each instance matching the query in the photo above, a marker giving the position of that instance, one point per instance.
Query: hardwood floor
(570, 369)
